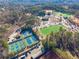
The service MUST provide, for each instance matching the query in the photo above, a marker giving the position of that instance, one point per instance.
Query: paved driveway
(50, 55)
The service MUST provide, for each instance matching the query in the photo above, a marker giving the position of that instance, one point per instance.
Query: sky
(39, 1)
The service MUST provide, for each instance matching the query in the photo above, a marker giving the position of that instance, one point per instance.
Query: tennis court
(29, 39)
(17, 46)
(26, 33)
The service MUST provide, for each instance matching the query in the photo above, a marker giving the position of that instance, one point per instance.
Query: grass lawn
(63, 14)
(48, 30)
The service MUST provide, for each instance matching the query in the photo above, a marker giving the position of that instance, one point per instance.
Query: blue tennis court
(21, 44)
(26, 33)
(34, 38)
(29, 41)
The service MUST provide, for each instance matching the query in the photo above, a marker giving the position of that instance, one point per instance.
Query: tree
(4, 43)
(42, 14)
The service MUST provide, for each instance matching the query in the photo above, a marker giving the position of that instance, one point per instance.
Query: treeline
(17, 13)
(70, 9)
(64, 40)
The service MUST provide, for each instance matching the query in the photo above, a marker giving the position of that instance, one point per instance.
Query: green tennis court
(17, 46)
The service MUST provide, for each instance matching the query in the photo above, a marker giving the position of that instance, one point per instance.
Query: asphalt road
(50, 55)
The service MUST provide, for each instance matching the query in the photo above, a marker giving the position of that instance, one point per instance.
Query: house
(25, 44)
(48, 11)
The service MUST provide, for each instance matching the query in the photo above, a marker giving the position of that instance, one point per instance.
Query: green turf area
(48, 30)
(63, 14)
